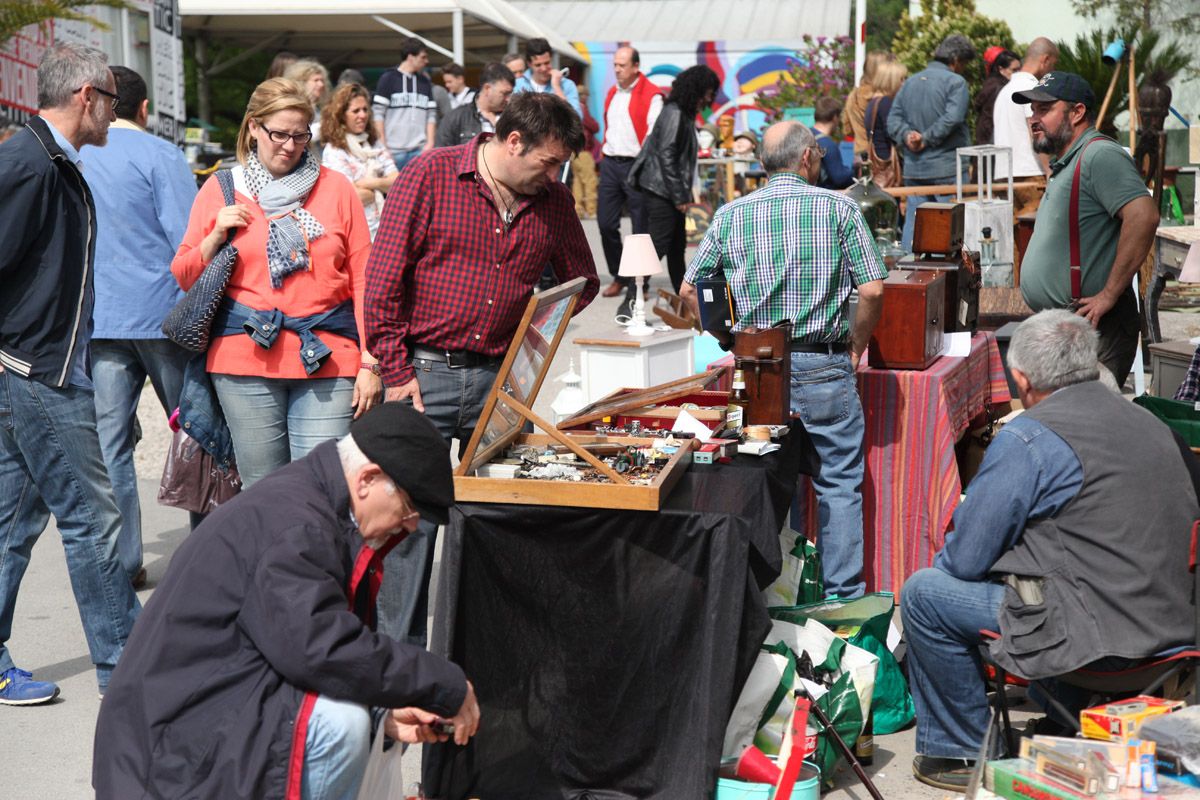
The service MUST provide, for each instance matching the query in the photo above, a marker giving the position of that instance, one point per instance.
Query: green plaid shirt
(791, 253)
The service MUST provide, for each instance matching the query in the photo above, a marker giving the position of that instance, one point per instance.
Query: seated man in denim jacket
(1072, 542)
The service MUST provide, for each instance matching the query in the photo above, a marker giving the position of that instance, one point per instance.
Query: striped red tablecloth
(912, 486)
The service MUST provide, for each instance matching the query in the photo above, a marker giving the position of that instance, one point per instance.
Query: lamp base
(637, 323)
(639, 330)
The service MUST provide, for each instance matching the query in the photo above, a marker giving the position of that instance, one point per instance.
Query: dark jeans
(453, 401)
(613, 194)
(1119, 330)
(669, 232)
(119, 371)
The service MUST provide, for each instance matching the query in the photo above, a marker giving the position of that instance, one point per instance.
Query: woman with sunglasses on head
(286, 359)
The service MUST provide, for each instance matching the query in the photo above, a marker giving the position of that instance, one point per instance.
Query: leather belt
(816, 347)
(454, 359)
(621, 159)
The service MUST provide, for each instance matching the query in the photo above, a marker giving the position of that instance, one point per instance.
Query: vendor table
(912, 486)
(607, 647)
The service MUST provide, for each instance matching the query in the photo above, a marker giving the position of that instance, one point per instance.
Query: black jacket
(668, 158)
(251, 622)
(459, 126)
(47, 243)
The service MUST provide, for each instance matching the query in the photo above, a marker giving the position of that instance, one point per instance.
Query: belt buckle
(456, 360)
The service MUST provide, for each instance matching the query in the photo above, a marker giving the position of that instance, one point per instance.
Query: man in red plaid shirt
(463, 240)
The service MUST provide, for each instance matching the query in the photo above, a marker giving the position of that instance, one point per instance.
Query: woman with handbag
(882, 155)
(352, 149)
(286, 358)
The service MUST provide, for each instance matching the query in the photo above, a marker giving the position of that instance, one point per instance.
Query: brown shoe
(139, 580)
(612, 290)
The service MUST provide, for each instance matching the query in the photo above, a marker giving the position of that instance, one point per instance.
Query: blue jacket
(834, 172)
(48, 232)
(525, 84)
(143, 190)
(934, 103)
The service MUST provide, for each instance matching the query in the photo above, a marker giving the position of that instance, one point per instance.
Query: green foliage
(916, 39)
(1083, 57)
(883, 21)
(18, 14)
(1180, 16)
(823, 66)
(229, 91)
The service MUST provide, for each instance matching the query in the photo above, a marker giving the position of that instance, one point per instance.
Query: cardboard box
(1118, 722)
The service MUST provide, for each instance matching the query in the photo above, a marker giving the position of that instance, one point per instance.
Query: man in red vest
(630, 109)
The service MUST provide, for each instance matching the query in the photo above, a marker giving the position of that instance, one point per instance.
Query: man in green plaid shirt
(792, 253)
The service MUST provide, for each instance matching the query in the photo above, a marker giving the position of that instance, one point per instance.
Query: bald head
(1040, 57)
(784, 146)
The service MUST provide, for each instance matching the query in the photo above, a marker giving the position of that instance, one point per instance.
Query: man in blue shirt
(929, 121)
(543, 77)
(835, 174)
(143, 190)
(1072, 543)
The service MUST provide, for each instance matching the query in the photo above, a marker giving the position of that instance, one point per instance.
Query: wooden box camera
(938, 229)
(910, 330)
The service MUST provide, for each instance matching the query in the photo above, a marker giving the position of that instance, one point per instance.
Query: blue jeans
(453, 401)
(402, 157)
(274, 421)
(336, 750)
(915, 201)
(119, 371)
(942, 618)
(825, 396)
(50, 462)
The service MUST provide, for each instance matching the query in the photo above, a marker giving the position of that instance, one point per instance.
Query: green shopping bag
(864, 622)
(1178, 416)
(799, 580)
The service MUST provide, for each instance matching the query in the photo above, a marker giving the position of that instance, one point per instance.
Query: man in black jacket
(480, 114)
(50, 460)
(252, 671)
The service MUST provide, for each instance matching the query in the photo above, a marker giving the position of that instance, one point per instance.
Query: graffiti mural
(745, 69)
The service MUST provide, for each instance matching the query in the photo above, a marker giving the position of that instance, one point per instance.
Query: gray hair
(954, 47)
(784, 152)
(67, 67)
(1054, 349)
(353, 459)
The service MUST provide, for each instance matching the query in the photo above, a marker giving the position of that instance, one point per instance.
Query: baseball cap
(1058, 86)
(410, 451)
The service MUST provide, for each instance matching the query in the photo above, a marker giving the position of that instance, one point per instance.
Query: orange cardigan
(338, 262)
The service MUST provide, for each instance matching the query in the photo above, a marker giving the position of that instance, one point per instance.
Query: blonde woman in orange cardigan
(286, 359)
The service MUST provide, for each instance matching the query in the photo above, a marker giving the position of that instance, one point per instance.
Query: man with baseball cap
(1095, 224)
(255, 670)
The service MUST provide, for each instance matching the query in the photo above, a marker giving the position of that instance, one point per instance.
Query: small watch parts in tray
(636, 428)
(639, 464)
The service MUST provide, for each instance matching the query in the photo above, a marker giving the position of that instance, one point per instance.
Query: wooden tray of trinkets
(502, 460)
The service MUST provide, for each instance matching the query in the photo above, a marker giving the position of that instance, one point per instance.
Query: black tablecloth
(607, 647)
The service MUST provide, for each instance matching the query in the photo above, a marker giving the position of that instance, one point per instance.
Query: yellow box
(1118, 722)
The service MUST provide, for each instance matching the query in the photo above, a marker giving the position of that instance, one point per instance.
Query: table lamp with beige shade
(639, 259)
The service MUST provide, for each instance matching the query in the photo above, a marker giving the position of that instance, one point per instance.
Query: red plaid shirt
(443, 272)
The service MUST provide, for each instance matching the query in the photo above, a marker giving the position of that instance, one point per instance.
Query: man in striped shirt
(792, 253)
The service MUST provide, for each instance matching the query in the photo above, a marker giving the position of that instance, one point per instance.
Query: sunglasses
(110, 95)
(281, 137)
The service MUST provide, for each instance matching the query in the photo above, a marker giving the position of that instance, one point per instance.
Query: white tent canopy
(367, 33)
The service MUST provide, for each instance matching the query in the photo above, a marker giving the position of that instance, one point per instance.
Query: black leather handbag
(189, 323)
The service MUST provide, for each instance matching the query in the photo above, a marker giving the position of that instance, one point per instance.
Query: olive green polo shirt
(1108, 181)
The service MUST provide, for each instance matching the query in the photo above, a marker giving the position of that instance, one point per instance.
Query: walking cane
(846, 750)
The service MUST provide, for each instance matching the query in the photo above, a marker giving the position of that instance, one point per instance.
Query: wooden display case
(508, 409)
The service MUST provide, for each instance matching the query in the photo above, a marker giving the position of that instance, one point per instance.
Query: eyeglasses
(820, 150)
(110, 95)
(281, 137)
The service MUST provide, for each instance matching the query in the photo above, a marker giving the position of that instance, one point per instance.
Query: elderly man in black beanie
(255, 669)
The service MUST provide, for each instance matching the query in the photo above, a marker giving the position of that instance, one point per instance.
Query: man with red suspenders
(630, 110)
(1095, 224)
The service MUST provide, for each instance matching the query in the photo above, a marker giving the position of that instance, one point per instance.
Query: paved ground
(47, 749)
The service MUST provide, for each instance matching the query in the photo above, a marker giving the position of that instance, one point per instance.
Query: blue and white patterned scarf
(291, 227)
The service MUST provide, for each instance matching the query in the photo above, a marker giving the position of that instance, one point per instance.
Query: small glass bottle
(735, 412)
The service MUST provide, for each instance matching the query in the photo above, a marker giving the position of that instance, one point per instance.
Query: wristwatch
(374, 368)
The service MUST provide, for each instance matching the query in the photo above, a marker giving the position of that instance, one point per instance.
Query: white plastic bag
(383, 778)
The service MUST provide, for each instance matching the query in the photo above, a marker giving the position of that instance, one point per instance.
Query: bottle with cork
(735, 411)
